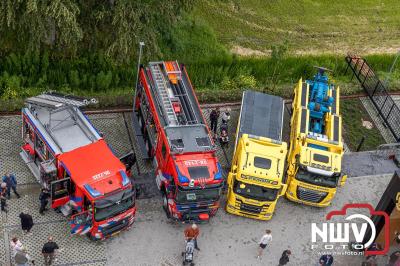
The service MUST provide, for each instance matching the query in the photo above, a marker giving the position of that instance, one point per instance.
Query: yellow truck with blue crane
(256, 179)
(316, 147)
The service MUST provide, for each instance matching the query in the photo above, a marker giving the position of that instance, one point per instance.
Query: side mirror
(234, 168)
(171, 188)
(283, 190)
(343, 180)
(138, 192)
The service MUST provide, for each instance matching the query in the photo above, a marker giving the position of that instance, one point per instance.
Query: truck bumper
(295, 199)
(232, 210)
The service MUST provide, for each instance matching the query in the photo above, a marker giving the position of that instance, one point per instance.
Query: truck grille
(250, 208)
(310, 195)
(109, 230)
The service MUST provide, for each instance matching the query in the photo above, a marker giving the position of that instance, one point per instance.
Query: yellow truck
(316, 148)
(255, 181)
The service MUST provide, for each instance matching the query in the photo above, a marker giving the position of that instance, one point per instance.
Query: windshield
(194, 195)
(114, 204)
(317, 179)
(255, 192)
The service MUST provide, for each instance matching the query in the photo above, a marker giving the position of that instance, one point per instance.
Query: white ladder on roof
(163, 92)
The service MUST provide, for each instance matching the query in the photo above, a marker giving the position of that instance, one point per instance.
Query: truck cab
(316, 148)
(256, 179)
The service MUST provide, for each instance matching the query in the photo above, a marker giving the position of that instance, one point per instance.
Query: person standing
(48, 251)
(44, 199)
(264, 242)
(214, 115)
(26, 222)
(285, 257)
(326, 260)
(22, 258)
(192, 232)
(3, 199)
(226, 116)
(11, 182)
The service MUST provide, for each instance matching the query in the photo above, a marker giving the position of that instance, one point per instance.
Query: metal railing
(388, 110)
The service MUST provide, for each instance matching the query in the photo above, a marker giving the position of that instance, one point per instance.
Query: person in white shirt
(16, 245)
(264, 242)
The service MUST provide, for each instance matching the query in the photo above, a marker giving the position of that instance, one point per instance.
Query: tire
(165, 205)
(92, 238)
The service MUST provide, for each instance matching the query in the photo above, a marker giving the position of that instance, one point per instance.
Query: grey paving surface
(154, 240)
(232, 240)
(367, 163)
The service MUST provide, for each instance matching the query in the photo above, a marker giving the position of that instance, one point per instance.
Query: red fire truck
(171, 129)
(69, 157)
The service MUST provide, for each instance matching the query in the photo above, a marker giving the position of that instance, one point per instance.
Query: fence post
(360, 144)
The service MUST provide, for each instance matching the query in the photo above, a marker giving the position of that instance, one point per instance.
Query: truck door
(59, 191)
(81, 223)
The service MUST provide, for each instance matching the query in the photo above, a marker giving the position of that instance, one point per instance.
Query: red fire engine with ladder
(171, 130)
(69, 157)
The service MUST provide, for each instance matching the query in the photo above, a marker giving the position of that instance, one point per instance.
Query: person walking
(22, 258)
(44, 199)
(48, 251)
(16, 246)
(326, 260)
(264, 242)
(192, 232)
(285, 257)
(214, 115)
(11, 182)
(26, 222)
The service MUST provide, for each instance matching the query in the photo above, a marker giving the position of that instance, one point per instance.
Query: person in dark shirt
(26, 221)
(285, 257)
(3, 198)
(326, 260)
(48, 251)
(44, 199)
(214, 115)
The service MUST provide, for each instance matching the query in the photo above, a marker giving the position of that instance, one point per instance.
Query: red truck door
(59, 191)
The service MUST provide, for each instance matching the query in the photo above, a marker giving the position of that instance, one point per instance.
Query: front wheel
(165, 205)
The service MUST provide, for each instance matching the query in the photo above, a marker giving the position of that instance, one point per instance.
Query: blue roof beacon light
(93, 192)
(218, 175)
(125, 178)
